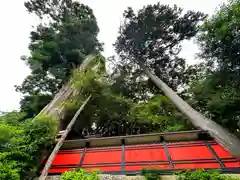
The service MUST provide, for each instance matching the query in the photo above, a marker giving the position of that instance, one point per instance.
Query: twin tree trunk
(221, 135)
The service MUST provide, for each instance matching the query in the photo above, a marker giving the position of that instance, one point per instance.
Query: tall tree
(58, 47)
(154, 36)
(162, 28)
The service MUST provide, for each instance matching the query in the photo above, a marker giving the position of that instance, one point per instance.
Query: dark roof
(136, 139)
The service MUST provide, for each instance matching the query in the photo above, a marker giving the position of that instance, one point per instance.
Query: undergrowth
(80, 175)
(190, 175)
(203, 175)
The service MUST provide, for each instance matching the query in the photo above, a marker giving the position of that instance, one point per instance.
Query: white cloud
(16, 26)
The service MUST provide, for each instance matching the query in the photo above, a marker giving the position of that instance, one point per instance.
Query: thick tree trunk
(55, 107)
(60, 142)
(221, 135)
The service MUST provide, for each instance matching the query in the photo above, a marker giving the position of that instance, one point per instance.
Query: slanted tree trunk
(221, 135)
(60, 141)
(55, 107)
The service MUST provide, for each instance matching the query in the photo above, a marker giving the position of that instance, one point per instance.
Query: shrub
(80, 175)
(8, 172)
(22, 144)
(203, 175)
(49, 123)
(151, 176)
(151, 173)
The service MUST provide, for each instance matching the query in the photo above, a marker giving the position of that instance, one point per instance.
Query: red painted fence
(168, 156)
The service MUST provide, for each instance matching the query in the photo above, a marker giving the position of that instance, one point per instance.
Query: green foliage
(113, 114)
(9, 135)
(90, 80)
(56, 49)
(78, 175)
(160, 113)
(60, 48)
(8, 172)
(12, 118)
(220, 40)
(217, 92)
(46, 125)
(86, 82)
(203, 175)
(22, 142)
(150, 176)
(127, 102)
(151, 173)
(153, 36)
(33, 104)
(70, 107)
(220, 102)
(37, 83)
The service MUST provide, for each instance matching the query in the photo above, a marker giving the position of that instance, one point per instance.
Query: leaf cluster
(80, 174)
(21, 144)
(203, 175)
(216, 93)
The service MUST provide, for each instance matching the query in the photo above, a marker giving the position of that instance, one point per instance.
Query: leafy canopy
(217, 92)
(56, 48)
(153, 36)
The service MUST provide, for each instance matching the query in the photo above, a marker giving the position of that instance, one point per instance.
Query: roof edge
(192, 135)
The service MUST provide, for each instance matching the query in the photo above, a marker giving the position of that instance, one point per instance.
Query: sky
(16, 25)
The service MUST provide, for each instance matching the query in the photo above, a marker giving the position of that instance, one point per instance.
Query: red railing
(163, 156)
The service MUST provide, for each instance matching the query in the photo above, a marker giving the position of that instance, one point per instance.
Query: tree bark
(221, 135)
(55, 107)
(61, 140)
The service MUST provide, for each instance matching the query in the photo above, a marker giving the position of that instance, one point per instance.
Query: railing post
(123, 157)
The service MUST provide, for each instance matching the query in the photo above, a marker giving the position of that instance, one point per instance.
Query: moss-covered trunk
(55, 107)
